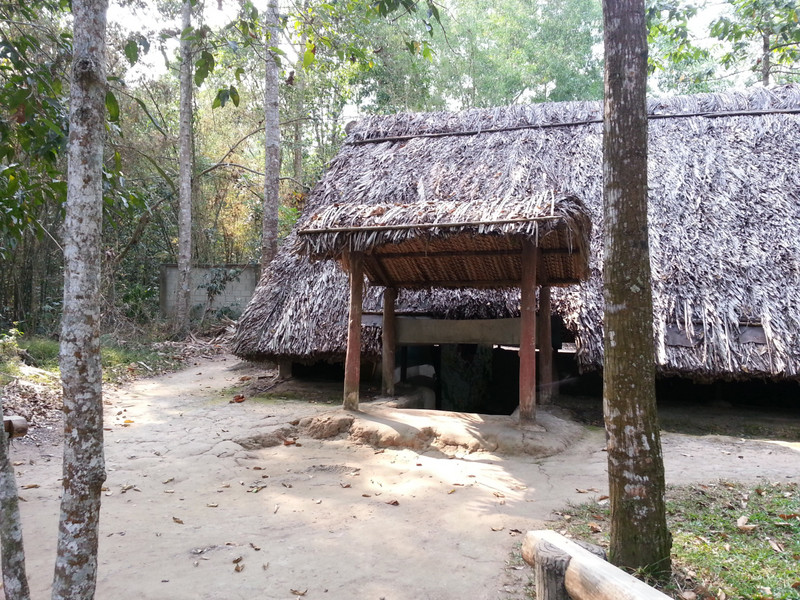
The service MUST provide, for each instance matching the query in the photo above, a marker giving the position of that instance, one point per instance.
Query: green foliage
(756, 29)
(756, 36)
(43, 350)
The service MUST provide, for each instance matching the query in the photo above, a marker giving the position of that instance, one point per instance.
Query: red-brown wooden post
(354, 261)
(543, 330)
(527, 338)
(389, 338)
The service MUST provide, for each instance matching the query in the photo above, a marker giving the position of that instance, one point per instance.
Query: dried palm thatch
(455, 244)
(724, 226)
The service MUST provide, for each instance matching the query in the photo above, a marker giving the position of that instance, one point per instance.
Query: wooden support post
(544, 333)
(352, 366)
(389, 337)
(527, 338)
(285, 369)
(570, 570)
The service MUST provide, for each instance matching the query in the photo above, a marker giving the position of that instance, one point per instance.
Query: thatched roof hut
(724, 227)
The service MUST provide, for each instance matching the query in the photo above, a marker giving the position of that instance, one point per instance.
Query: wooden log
(389, 340)
(15, 426)
(586, 576)
(545, 335)
(527, 336)
(352, 366)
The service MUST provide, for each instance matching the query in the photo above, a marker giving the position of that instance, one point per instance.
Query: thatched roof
(455, 244)
(724, 226)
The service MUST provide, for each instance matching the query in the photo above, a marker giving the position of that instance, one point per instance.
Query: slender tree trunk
(300, 114)
(272, 142)
(639, 535)
(766, 66)
(185, 185)
(15, 581)
(81, 376)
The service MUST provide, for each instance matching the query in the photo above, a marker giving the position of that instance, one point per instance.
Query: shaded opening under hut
(540, 241)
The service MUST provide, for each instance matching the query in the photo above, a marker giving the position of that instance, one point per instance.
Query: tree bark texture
(15, 581)
(639, 535)
(81, 376)
(272, 142)
(186, 168)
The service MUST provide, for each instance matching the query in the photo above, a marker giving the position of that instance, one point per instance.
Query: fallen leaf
(344, 485)
(796, 585)
(237, 399)
(170, 480)
(212, 505)
(393, 502)
(581, 491)
(741, 524)
(688, 595)
(595, 527)
(777, 546)
(601, 498)
(790, 516)
(298, 592)
(128, 421)
(514, 532)
(254, 547)
(497, 528)
(239, 567)
(289, 442)
(177, 520)
(237, 560)
(366, 496)
(451, 491)
(30, 486)
(498, 494)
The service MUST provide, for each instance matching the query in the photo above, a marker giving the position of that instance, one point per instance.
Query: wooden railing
(569, 570)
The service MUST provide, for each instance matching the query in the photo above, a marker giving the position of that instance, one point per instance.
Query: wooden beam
(388, 255)
(354, 262)
(389, 340)
(586, 576)
(527, 336)
(475, 283)
(544, 333)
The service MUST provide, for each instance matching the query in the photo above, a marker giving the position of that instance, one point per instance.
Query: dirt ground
(199, 505)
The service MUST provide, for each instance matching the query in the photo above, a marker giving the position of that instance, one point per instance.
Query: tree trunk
(272, 142)
(185, 186)
(300, 113)
(81, 376)
(15, 581)
(766, 66)
(639, 535)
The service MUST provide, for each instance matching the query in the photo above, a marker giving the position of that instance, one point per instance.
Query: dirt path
(332, 519)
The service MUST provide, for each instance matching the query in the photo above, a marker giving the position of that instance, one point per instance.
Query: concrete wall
(234, 297)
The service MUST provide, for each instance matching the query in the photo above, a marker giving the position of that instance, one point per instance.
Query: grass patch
(730, 541)
(120, 360)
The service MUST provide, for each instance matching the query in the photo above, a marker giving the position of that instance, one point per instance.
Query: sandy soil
(195, 508)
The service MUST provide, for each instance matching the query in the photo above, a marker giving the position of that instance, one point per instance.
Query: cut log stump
(15, 426)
